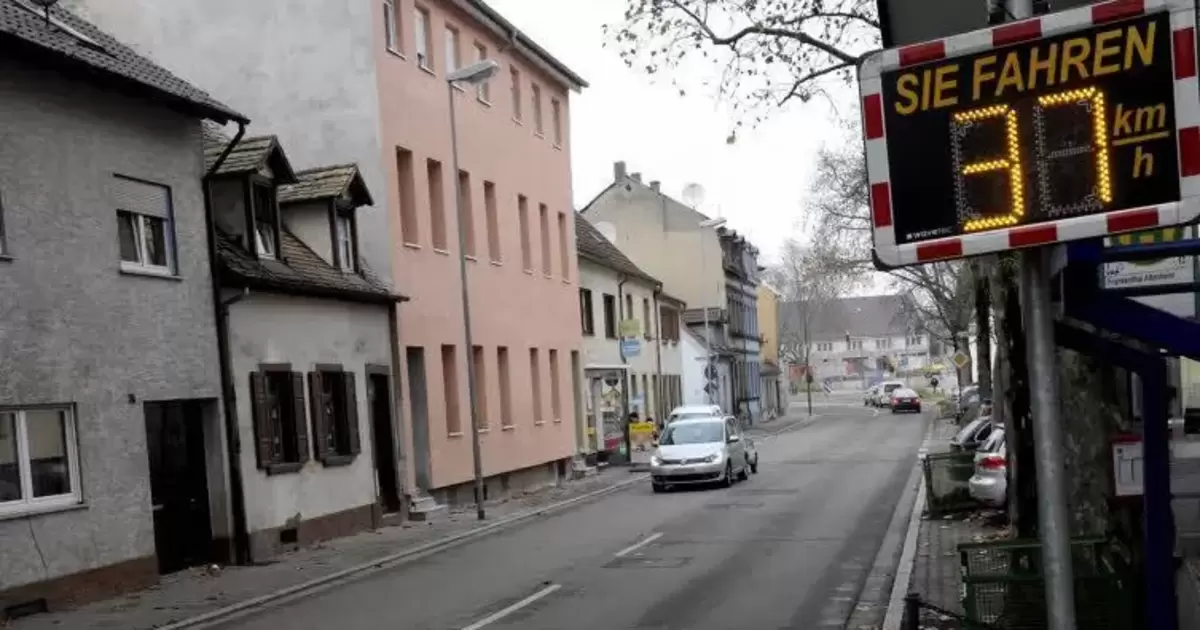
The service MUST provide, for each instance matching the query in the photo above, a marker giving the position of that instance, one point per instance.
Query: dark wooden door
(378, 386)
(178, 484)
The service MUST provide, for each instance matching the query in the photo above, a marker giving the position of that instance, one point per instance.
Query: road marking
(638, 545)
(500, 614)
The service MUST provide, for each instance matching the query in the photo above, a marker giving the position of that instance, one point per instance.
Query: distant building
(768, 327)
(856, 338)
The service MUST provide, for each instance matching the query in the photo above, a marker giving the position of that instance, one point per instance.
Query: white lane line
(500, 614)
(638, 545)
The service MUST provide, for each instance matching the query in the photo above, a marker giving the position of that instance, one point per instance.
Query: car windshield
(904, 393)
(994, 442)
(684, 415)
(970, 429)
(890, 387)
(694, 433)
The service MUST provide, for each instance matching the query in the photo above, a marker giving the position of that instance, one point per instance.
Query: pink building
(364, 82)
(515, 176)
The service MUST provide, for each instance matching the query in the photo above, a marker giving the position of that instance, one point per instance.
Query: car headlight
(715, 457)
(655, 460)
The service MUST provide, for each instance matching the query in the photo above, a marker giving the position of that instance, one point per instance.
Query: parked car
(699, 451)
(971, 436)
(989, 484)
(694, 411)
(884, 397)
(905, 399)
(870, 396)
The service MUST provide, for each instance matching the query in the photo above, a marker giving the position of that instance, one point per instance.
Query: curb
(245, 607)
(904, 571)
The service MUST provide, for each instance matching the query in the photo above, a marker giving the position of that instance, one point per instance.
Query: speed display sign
(1073, 125)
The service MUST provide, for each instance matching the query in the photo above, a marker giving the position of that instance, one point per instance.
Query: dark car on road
(904, 399)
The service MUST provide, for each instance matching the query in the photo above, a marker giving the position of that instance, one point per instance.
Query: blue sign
(631, 347)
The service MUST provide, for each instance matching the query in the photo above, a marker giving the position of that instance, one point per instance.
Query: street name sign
(1073, 125)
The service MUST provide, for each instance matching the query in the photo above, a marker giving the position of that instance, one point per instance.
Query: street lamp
(705, 224)
(473, 74)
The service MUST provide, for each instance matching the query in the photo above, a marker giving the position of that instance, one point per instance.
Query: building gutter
(658, 287)
(237, 496)
(398, 407)
(621, 280)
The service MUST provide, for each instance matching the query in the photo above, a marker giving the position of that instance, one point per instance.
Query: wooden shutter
(351, 400)
(299, 419)
(320, 421)
(260, 420)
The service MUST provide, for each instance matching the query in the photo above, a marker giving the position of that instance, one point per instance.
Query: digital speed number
(1087, 141)
(1066, 126)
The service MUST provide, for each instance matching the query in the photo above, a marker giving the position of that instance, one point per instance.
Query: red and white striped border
(1187, 121)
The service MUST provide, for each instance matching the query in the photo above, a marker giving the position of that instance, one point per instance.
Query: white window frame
(266, 246)
(452, 49)
(28, 503)
(343, 234)
(483, 90)
(423, 33)
(556, 115)
(514, 77)
(139, 241)
(391, 25)
(539, 124)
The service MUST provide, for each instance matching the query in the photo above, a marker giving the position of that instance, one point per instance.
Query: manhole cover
(637, 562)
(734, 505)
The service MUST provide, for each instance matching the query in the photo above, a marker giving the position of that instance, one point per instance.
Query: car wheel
(754, 466)
(744, 475)
(727, 479)
(659, 487)
(893, 411)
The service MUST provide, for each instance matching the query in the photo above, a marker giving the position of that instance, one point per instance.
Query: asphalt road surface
(790, 548)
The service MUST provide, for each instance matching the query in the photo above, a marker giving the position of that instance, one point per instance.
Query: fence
(946, 477)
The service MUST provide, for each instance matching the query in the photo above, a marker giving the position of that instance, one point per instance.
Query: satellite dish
(693, 195)
(608, 230)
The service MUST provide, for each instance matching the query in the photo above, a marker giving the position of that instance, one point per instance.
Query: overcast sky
(759, 183)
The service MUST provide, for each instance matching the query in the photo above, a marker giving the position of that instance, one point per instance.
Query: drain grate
(736, 505)
(765, 492)
(642, 562)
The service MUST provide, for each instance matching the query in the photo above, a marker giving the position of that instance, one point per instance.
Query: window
(916, 340)
(555, 394)
(535, 379)
(280, 424)
(883, 344)
(628, 313)
(437, 203)
(538, 125)
(825, 346)
(610, 316)
(544, 226)
(646, 324)
(391, 25)
(668, 324)
(556, 120)
(854, 344)
(408, 198)
(478, 364)
(523, 224)
(586, 317)
(39, 463)
(345, 239)
(266, 232)
(564, 249)
(492, 220)
(506, 416)
(483, 91)
(422, 37)
(335, 415)
(452, 54)
(466, 212)
(450, 389)
(515, 87)
(145, 230)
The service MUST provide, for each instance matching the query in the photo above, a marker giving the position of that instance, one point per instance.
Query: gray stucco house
(312, 348)
(109, 382)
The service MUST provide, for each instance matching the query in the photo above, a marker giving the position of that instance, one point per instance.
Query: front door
(178, 483)
(379, 397)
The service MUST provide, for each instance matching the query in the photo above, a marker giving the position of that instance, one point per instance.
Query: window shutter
(299, 419)
(352, 414)
(320, 422)
(141, 197)
(262, 431)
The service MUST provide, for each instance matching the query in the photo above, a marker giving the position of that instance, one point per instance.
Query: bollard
(912, 612)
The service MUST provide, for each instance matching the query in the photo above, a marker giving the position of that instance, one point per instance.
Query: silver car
(698, 451)
(989, 484)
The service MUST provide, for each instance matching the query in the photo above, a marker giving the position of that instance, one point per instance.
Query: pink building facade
(514, 174)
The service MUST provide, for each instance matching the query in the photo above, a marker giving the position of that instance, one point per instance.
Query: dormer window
(266, 221)
(344, 240)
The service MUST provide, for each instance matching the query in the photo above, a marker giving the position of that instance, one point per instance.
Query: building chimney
(654, 185)
(618, 171)
(637, 177)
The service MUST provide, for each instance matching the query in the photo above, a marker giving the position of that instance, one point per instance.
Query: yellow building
(768, 327)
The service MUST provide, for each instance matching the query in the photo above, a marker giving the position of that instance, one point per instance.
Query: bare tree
(766, 52)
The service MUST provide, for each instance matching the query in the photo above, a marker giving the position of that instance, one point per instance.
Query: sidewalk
(183, 596)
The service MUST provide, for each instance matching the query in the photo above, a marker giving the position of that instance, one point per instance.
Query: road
(790, 548)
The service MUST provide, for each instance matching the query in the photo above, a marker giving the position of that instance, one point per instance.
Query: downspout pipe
(237, 497)
(662, 410)
(621, 280)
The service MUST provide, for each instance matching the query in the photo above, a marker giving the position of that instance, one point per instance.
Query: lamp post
(473, 74)
(708, 223)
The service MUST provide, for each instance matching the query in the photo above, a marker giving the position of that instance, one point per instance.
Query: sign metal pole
(1054, 527)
